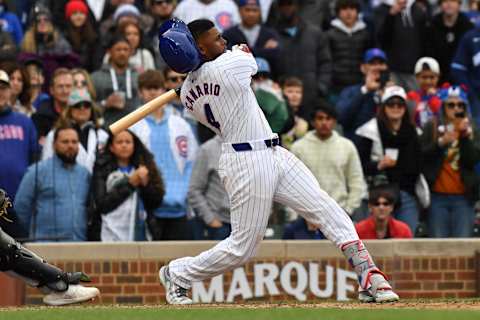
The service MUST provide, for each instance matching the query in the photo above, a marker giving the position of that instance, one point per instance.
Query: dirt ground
(409, 304)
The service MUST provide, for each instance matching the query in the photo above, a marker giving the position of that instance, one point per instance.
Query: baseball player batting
(253, 167)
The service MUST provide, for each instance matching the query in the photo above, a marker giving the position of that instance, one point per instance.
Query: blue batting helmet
(177, 46)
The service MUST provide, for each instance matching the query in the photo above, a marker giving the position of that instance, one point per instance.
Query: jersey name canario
(219, 96)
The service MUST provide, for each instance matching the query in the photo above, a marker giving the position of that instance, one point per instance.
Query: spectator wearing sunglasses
(81, 113)
(83, 81)
(381, 224)
(42, 37)
(390, 152)
(451, 147)
(174, 80)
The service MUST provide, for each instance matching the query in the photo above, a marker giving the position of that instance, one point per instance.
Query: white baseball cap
(4, 77)
(394, 91)
(427, 63)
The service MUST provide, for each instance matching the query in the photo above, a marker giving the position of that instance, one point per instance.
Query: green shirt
(275, 109)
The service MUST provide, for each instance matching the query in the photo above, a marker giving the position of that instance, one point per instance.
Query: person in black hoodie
(401, 31)
(124, 168)
(348, 39)
(304, 53)
(444, 34)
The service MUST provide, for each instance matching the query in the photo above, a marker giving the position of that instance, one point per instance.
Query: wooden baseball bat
(149, 107)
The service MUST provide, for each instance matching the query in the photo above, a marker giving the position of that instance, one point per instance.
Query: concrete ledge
(268, 249)
(436, 247)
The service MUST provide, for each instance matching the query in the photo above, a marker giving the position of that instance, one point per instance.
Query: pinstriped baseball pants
(253, 179)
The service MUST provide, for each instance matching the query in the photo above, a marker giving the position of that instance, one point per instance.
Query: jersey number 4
(210, 118)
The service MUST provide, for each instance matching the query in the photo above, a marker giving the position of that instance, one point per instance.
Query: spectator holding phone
(357, 103)
(451, 147)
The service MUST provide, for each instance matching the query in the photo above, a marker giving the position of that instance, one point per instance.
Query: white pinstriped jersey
(219, 96)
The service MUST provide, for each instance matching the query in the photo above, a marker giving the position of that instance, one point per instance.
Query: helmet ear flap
(177, 46)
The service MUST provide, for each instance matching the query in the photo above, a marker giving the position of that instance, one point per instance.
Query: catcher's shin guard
(23, 263)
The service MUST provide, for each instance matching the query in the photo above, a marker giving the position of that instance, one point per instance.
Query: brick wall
(127, 281)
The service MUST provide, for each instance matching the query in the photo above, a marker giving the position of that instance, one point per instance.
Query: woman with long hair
(141, 58)
(451, 147)
(390, 152)
(126, 187)
(83, 81)
(20, 99)
(81, 34)
(42, 37)
(82, 114)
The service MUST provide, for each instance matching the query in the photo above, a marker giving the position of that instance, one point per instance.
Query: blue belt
(245, 146)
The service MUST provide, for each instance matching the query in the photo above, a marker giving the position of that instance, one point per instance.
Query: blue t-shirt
(18, 146)
(9, 23)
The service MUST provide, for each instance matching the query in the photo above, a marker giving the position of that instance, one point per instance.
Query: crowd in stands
(380, 99)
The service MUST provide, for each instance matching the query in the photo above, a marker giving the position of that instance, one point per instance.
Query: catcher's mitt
(5, 203)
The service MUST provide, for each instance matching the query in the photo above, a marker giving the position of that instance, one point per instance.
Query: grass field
(334, 311)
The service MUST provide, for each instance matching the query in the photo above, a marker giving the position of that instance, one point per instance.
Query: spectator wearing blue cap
(269, 97)
(401, 31)
(262, 40)
(348, 39)
(357, 103)
(451, 147)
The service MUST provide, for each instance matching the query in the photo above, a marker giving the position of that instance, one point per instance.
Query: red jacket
(396, 229)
